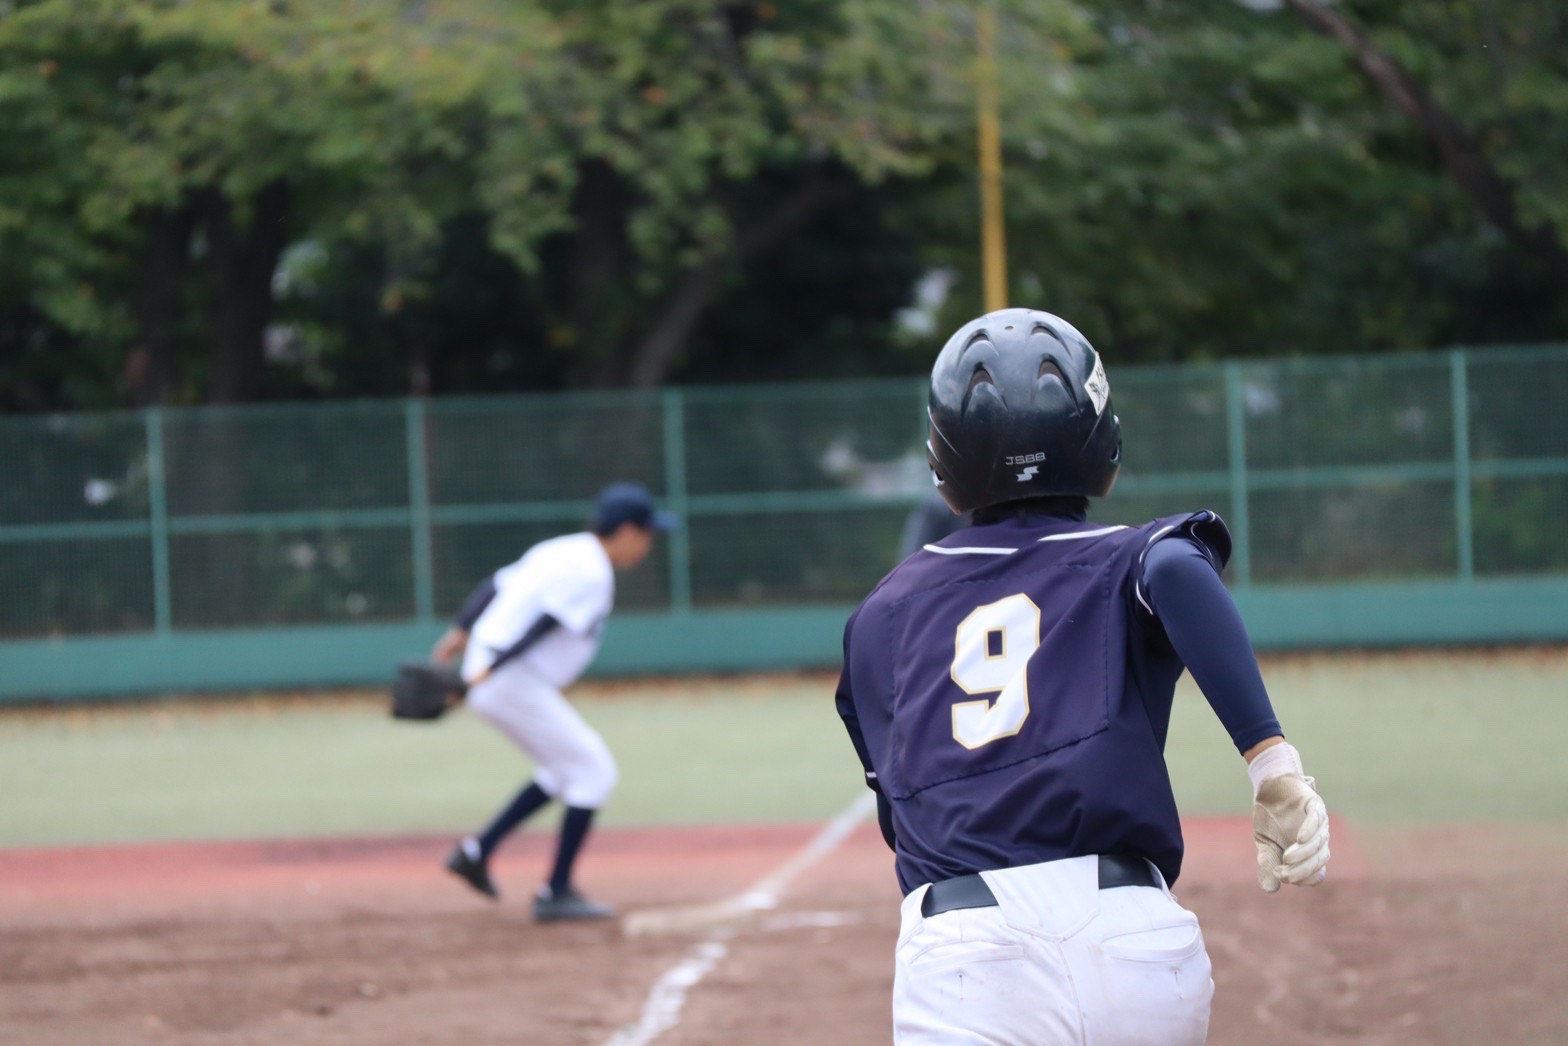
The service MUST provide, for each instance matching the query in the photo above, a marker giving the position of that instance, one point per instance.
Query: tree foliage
(243, 199)
(1228, 183)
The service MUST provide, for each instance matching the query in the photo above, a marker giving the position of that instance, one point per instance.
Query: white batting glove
(1289, 820)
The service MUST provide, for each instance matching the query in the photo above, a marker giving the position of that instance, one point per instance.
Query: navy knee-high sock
(574, 829)
(524, 805)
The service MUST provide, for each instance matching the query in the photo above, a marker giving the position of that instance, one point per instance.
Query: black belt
(970, 891)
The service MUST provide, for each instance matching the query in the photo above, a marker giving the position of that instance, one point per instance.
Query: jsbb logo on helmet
(1024, 459)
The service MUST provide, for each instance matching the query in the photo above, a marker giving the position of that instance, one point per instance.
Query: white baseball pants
(1056, 961)
(571, 761)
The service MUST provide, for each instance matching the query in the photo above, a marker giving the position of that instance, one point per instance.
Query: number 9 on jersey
(991, 651)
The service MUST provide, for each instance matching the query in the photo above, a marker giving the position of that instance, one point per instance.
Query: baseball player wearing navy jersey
(1008, 690)
(525, 634)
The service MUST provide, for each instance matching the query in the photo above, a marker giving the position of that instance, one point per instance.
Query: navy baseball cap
(629, 503)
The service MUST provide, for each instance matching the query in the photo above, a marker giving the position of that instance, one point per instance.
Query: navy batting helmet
(1020, 408)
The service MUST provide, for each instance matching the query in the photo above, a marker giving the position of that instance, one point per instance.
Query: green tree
(1214, 180)
(169, 153)
(1491, 97)
(242, 199)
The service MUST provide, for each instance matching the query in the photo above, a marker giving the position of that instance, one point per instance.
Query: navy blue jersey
(1008, 690)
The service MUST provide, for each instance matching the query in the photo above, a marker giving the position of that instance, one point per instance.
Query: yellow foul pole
(993, 237)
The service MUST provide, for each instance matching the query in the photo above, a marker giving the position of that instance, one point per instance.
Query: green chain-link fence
(1433, 467)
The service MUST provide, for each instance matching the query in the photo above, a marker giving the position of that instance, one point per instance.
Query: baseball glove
(423, 690)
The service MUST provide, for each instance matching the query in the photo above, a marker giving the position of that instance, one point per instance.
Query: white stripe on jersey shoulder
(1083, 534)
(981, 550)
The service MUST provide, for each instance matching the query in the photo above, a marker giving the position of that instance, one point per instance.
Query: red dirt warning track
(364, 941)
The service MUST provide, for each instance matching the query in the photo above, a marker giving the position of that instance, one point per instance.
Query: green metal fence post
(1464, 520)
(158, 522)
(676, 493)
(419, 509)
(1236, 448)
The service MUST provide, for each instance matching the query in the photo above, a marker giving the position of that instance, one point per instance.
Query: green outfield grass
(1414, 737)
(1406, 738)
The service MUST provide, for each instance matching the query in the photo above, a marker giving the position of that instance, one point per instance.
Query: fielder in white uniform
(526, 634)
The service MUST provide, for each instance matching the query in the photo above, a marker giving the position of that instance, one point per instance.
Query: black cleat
(475, 873)
(568, 904)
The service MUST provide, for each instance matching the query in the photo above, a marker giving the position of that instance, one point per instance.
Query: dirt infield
(369, 941)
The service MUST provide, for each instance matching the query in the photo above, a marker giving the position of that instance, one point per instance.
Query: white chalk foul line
(662, 1010)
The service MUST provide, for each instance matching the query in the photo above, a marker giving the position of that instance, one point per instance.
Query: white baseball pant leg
(571, 761)
(1057, 960)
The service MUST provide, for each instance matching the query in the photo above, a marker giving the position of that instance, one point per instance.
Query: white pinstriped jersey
(568, 577)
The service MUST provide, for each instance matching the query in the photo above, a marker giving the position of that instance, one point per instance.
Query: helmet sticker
(1098, 386)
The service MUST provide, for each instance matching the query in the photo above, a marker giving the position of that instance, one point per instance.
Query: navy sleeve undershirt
(1206, 630)
(475, 604)
(536, 631)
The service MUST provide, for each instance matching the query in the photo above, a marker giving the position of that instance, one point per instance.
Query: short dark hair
(1045, 504)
